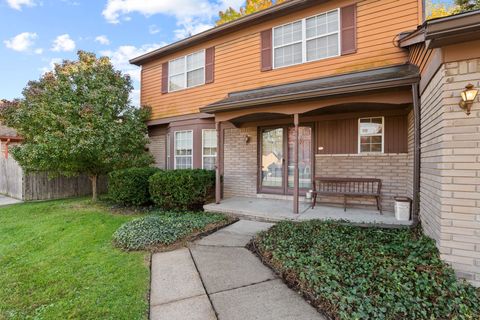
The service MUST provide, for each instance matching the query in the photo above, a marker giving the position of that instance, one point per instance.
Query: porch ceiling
(358, 82)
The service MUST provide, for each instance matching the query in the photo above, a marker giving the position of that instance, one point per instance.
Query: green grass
(367, 273)
(57, 262)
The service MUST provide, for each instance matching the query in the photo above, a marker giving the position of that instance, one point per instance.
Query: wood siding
(238, 56)
(340, 136)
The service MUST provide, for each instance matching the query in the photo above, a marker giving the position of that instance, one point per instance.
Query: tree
(78, 119)
(438, 10)
(251, 6)
(466, 5)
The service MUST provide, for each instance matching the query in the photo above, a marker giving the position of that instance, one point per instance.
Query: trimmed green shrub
(368, 273)
(182, 189)
(163, 229)
(130, 187)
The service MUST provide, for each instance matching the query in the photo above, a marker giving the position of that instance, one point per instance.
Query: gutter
(374, 85)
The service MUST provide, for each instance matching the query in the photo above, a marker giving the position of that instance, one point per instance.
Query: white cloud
(153, 29)
(192, 16)
(123, 54)
(21, 42)
(190, 29)
(63, 43)
(51, 65)
(38, 51)
(17, 4)
(102, 40)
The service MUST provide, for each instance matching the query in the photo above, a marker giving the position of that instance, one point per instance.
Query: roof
(445, 31)
(374, 79)
(275, 11)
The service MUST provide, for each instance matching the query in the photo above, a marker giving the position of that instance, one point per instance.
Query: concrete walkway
(5, 201)
(217, 278)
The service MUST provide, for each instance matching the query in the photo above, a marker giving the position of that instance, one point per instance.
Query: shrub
(163, 229)
(130, 186)
(368, 273)
(182, 189)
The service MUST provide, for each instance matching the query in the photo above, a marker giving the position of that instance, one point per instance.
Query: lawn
(57, 262)
(350, 272)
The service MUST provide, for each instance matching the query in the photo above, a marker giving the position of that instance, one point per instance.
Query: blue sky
(34, 34)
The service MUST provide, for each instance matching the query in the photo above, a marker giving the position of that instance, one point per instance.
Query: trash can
(403, 207)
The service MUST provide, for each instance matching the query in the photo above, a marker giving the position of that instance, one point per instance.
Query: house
(339, 89)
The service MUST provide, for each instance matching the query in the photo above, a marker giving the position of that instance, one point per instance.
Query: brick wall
(393, 169)
(157, 146)
(240, 162)
(450, 179)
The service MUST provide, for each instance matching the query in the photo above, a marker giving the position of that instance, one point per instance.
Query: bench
(362, 187)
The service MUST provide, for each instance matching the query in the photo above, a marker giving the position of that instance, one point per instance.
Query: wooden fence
(38, 186)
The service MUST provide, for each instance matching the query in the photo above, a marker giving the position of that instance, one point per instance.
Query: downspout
(416, 154)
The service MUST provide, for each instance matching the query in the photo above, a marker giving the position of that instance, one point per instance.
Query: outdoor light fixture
(468, 96)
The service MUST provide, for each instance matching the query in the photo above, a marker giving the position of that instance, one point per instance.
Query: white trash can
(403, 207)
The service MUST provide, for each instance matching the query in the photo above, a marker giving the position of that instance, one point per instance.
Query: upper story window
(187, 71)
(370, 134)
(307, 40)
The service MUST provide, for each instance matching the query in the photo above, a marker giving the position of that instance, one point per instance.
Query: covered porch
(275, 141)
(274, 210)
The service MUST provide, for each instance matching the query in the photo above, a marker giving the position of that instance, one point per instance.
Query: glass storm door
(272, 160)
(304, 157)
(277, 148)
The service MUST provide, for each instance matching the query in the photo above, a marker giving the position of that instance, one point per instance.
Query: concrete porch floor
(273, 210)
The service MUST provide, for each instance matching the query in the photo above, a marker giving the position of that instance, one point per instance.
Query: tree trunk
(94, 179)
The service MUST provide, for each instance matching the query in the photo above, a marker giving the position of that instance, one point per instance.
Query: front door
(276, 159)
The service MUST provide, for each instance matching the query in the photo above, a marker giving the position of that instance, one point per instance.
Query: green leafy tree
(250, 7)
(78, 119)
(467, 5)
(439, 9)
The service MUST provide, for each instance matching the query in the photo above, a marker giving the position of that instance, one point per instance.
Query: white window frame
(305, 39)
(175, 149)
(168, 149)
(186, 71)
(209, 156)
(371, 135)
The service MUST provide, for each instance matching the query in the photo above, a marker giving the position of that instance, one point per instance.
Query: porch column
(296, 183)
(416, 153)
(218, 171)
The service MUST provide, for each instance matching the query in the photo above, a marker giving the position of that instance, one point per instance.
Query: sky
(35, 34)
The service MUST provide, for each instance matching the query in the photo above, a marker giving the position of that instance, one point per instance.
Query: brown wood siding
(337, 136)
(340, 136)
(396, 134)
(238, 56)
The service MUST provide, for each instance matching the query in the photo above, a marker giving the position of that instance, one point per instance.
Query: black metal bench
(362, 187)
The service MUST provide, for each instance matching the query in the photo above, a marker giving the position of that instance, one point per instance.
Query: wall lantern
(468, 96)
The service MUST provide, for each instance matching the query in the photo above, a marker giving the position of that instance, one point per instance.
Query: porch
(274, 210)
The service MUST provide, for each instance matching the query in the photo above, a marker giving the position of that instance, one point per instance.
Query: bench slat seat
(347, 187)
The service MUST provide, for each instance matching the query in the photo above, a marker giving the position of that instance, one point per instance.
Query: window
(209, 148)
(187, 71)
(370, 134)
(307, 40)
(183, 149)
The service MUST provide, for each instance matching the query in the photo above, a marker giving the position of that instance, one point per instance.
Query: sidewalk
(217, 278)
(5, 201)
